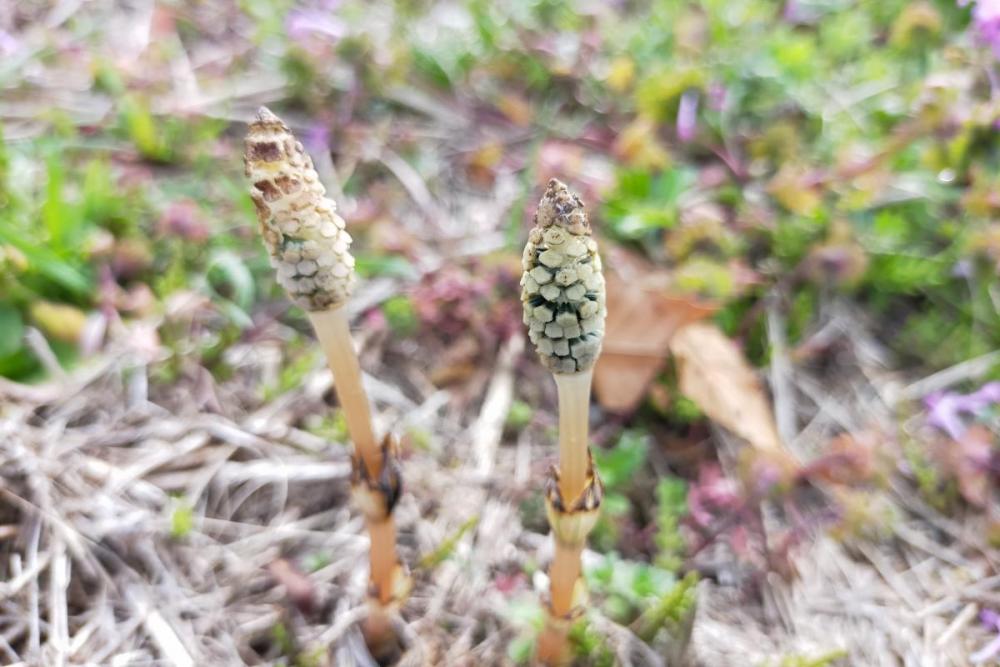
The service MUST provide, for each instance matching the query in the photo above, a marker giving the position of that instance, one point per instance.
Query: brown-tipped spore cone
(304, 234)
(562, 289)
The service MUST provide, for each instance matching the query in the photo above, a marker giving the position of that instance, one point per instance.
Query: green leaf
(525, 611)
(181, 521)
(104, 203)
(447, 547)
(401, 315)
(620, 463)
(60, 218)
(521, 649)
(49, 264)
(392, 266)
(671, 497)
(235, 314)
(4, 165)
(426, 63)
(657, 95)
(519, 415)
(142, 131)
(671, 610)
(641, 203)
(11, 329)
(230, 278)
(21, 365)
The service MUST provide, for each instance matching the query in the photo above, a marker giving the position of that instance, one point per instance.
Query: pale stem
(553, 645)
(334, 333)
(382, 556)
(574, 412)
(563, 575)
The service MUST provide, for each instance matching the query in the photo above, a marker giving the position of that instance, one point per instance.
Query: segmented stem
(574, 410)
(334, 333)
(309, 249)
(382, 557)
(564, 573)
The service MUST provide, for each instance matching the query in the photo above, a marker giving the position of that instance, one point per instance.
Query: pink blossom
(986, 17)
(945, 409)
(374, 320)
(713, 493)
(317, 138)
(716, 97)
(687, 116)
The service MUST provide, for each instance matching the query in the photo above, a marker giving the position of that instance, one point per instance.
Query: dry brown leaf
(713, 373)
(642, 318)
(457, 364)
(968, 459)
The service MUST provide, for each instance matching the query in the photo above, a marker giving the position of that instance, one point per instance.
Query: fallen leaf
(642, 318)
(713, 373)
(457, 364)
(968, 459)
(849, 458)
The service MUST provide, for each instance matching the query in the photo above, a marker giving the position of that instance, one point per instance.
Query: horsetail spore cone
(300, 225)
(562, 289)
(309, 251)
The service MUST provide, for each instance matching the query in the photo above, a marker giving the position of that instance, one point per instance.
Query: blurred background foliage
(824, 147)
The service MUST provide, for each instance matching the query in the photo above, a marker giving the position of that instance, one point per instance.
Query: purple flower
(716, 97)
(793, 12)
(305, 22)
(317, 138)
(986, 17)
(687, 116)
(962, 269)
(991, 620)
(944, 409)
(8, 43)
